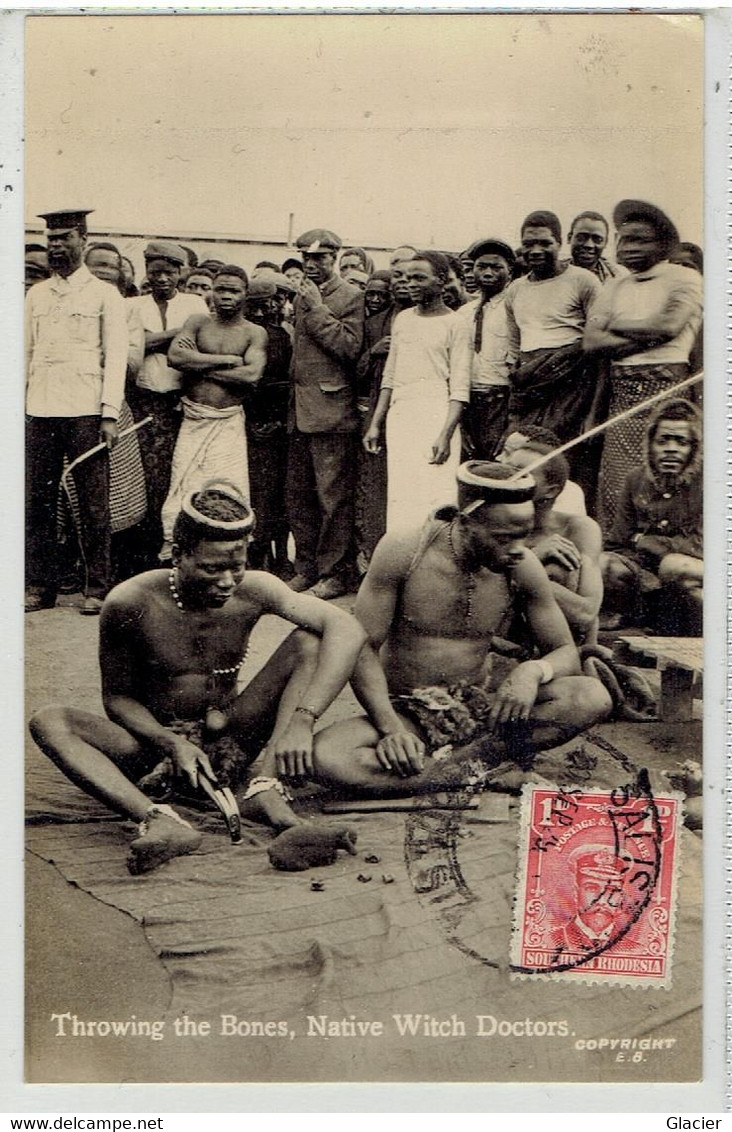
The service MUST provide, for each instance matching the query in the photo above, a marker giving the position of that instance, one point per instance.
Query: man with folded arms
(221, 356)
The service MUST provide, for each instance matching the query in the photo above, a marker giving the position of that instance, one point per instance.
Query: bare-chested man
(431, 604)
(171, 646)
(220, 355)
(568, 546)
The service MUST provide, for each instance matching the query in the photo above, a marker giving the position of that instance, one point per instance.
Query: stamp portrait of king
(597, 885)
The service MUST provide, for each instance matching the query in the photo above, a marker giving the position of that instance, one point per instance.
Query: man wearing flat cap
(436, 692)
(486, 416)
(284, 295)
(323, 426)
(646, 325)
(76, 357)
(156, 390)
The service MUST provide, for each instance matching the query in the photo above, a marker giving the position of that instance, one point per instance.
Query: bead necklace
(215, 718)
(174, 591)
(467, 574)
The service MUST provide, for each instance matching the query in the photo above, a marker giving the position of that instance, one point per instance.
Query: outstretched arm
(341, 639)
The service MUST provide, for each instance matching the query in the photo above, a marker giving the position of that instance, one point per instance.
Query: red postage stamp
(597, 884)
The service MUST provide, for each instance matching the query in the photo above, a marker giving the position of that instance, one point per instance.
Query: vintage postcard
(340, 271)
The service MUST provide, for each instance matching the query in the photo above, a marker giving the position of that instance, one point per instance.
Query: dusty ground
(72, 961)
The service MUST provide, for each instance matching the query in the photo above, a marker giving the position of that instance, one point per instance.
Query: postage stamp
(484, 934)
(596, 893)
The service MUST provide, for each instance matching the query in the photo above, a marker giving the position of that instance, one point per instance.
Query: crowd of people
(340, 399)
(335, 428)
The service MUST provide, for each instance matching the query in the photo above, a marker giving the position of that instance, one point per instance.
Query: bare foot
(268, 807)
(161, 838)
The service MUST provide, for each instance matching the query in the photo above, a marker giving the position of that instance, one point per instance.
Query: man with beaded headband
(171, 646)
(435, 691)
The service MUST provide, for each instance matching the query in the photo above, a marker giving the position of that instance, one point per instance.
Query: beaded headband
(226, 527)
(485, 479)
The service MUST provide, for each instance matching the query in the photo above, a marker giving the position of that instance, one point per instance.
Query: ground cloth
(239, 938)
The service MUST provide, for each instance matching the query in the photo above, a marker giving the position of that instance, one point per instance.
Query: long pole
(626, 413)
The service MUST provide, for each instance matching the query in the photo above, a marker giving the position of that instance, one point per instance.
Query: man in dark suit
(323, 424)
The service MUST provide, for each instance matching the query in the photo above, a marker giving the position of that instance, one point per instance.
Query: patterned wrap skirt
(624, 442)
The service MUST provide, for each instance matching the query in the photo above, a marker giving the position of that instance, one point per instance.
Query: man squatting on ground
(171, 646)
(655, 548)
(431, 603)
(568, 546)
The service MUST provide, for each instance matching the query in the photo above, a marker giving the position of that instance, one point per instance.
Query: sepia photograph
(364, 664)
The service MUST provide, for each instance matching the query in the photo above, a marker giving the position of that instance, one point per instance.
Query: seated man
(571, 500)
(568, 546)
(171, 646)
(431, 603)
(655, 545)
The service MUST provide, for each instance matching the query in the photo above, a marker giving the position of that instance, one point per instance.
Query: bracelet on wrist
(304, 710)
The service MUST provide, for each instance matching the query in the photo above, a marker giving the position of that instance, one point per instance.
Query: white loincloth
(211, 443)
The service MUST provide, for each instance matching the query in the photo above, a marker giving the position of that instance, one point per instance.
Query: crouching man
(171, 646)
(654, 566)
(568, 546)
(435, 693)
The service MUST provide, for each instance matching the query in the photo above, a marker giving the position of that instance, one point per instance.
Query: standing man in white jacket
(76, 356)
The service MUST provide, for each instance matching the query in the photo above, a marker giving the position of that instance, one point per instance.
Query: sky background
(424, 129)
